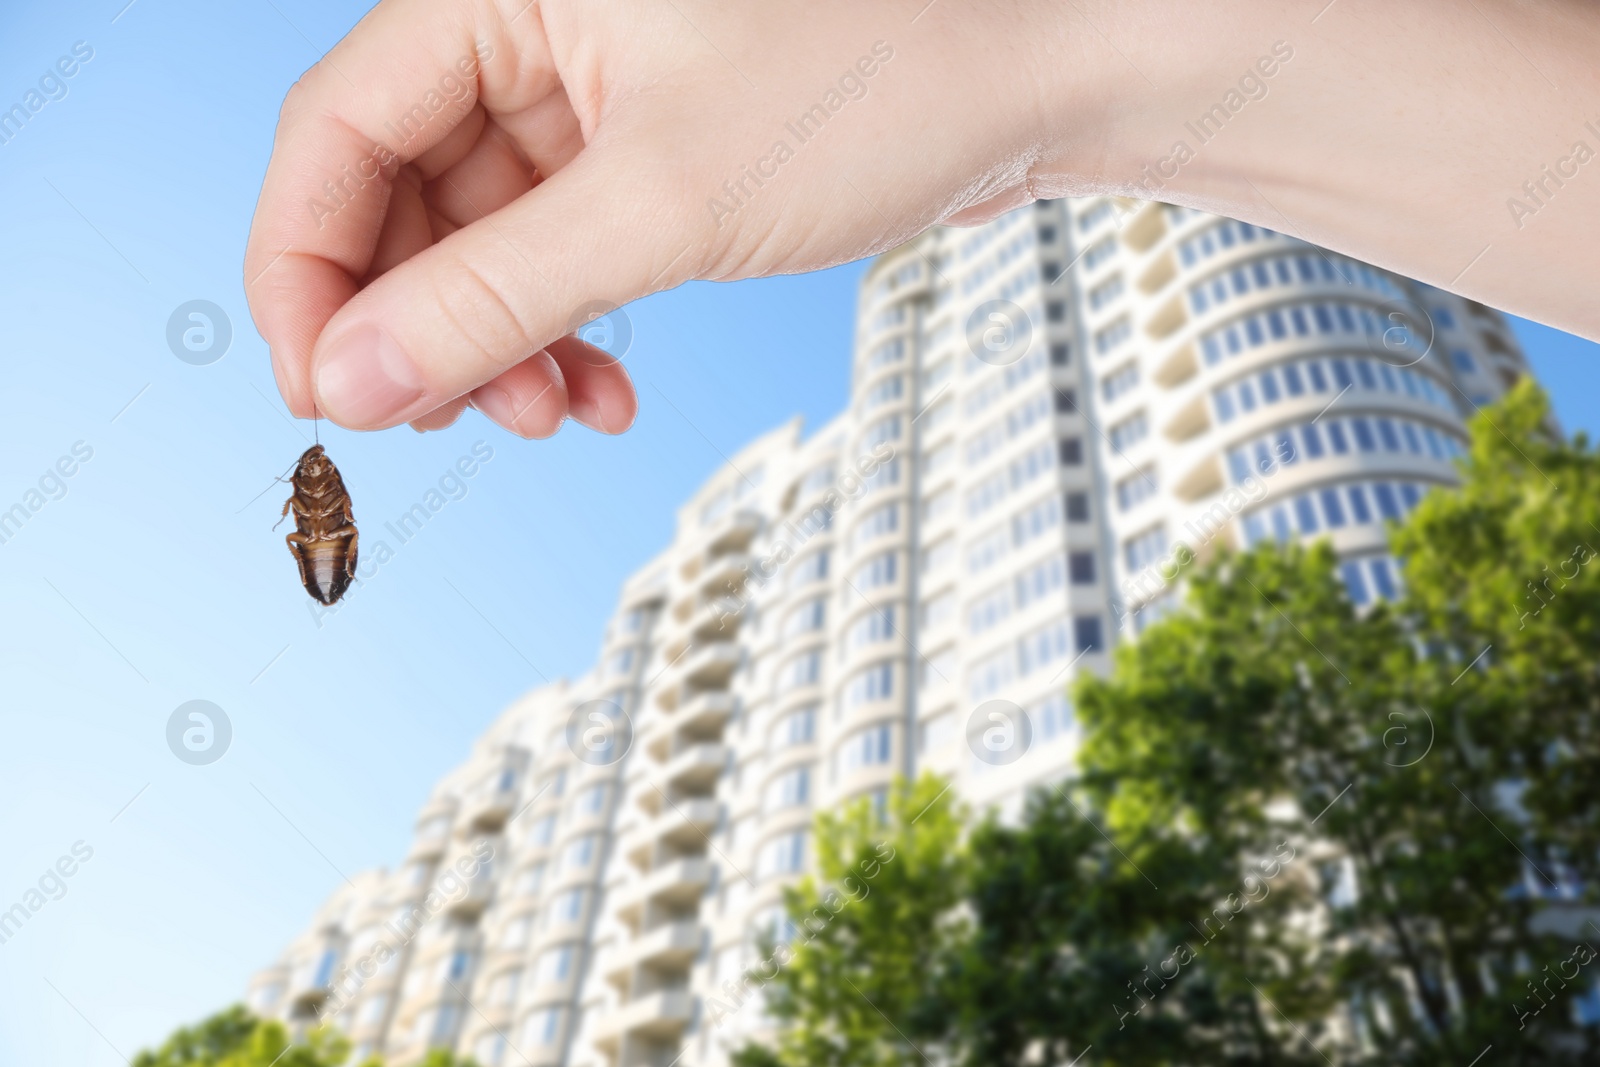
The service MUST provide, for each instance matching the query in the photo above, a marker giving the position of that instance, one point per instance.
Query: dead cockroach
(324, 541)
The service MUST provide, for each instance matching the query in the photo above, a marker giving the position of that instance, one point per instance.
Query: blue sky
(156, 578)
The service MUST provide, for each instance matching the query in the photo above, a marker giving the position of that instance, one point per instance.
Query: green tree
(848, 988)
(235, 1038)
(1305, 832)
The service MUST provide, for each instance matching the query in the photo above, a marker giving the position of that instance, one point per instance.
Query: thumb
(493, 294)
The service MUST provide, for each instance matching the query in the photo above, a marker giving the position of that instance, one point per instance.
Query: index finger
(395, 87)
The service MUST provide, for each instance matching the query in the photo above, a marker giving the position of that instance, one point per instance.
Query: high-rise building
(1052, 417)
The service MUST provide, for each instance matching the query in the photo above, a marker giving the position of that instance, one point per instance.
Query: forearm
(1458, 143)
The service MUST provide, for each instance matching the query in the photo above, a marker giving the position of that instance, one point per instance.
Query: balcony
(677, 884)
(716, 619)
(671, 945)
(480, 891)
(655, 1017)
(705, 712)
(734, 531)
(697, 767)
(310, 980)
(710, 666)
(485, 810)
(684, 825)
(725, 574)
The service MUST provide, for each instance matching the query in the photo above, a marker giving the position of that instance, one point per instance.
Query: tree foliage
(1303, 833)
(236, 1038)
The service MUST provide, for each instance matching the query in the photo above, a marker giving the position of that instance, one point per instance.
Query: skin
(579, 162)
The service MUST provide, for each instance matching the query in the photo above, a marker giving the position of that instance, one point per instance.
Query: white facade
(912, 587)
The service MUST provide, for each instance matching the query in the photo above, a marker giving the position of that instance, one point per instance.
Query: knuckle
(481, 307)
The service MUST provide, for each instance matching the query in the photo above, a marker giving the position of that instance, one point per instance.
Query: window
(542, 831)
(1144, 549)
(1077, 507)
(988, 609)
(803, 669)
(797, 727)
(807, 617)
(878, 571)
(1041, 647)
(1114, 335)
(554, 964)
(877, 625)
(567, 907)
(1099, 252)
(1039, 581)
(1060, 354)
(864, 748)
(1120, 382)
(542, 1027)
(782, 855)
(873, 683)
(515, 934)
(1080, 567)
(1129, 431)
(529, 881)
(885, 391)
(1463, 361)
(1105, 292)
(936, 610)
(1086, 632)
(578, 853)
(1066, 400)
(1071, 451)
(1136, 489)
(789, 789)
(812, 568)
(503, 990)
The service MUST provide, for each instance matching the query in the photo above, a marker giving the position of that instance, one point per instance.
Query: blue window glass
(1443, 317)
(1247, 232)
(1238, 465)
(1409, 495)
(1388, 377)
(1186, 254)
(1390, 439)
(1197, 299)
(1341, 375)
(1409, 432)
(1298, 317)
(1435, 449)
(1319, 382)
(1324, 319)
(1291, 378)
(1308, 273)
(1280, 523)
(1280, 267)
(1363, 434)
(1347, 320)
(1241, 284)
(1332, 510)
(1224, 405)
(1364, 374)
(1383, 492)
(1258, 274)
(1382, 580)
(1269, 388)
(1325, 268)
(1409, 381)
(1264, 462)
(1254, 530)
(1225, 235)
(1275, 324)
(1306, 512)
(1285, 448)
(1313, 440)
(1219, 291)
(1247, 396)
(1358, 504)
(1354, 583)
(1233, 340)
(1463, 361)
(1336, 438)
(1252, 327)
(1210, 349)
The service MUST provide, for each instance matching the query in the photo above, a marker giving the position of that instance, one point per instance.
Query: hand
(455, 179)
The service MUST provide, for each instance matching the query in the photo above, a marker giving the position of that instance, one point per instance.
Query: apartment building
(1052, 417)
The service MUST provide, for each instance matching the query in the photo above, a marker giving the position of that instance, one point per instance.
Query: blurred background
(155, 578)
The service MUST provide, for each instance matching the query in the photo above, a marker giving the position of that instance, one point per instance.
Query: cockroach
(324, 541)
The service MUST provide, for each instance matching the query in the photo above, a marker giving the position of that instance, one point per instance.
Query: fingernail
(496, 404)
(366, 378)
(588, 412)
